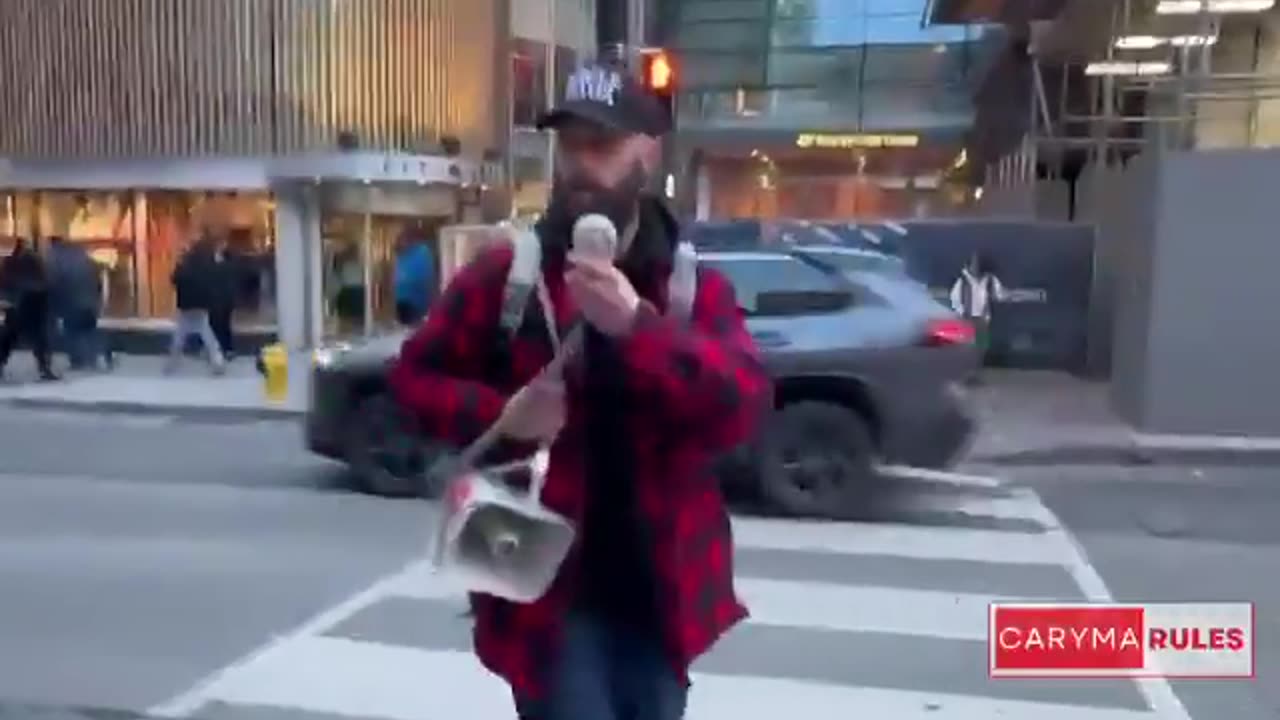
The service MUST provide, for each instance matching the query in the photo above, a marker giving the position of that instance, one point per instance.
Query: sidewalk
(138, 384)
(1021, 412)
(1027, 417)
(1037, 416)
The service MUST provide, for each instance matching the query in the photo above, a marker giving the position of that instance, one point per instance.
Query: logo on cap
(595, 84)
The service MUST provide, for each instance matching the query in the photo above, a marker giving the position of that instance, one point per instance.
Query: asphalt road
(1185, 534)
(151, 564)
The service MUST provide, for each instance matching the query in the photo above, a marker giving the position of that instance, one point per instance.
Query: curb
(1129, 455)
(186, 412)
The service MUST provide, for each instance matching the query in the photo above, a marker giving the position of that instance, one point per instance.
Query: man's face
(599, 171)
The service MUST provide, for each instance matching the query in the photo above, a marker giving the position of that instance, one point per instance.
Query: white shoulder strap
(522, 279)
(682, 286)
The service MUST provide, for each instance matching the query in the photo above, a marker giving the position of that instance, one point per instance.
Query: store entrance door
(379, 255)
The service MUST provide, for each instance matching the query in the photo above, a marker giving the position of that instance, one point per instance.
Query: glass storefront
(137, 237)
(827, 189)
(361, 248)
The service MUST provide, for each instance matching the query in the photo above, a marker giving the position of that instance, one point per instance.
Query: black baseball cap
(609, 96)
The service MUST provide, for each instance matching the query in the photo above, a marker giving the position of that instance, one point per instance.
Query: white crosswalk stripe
(847, 620)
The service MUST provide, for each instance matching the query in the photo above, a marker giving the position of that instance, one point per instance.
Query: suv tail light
(951, 331)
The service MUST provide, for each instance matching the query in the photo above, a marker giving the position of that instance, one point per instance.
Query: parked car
(869, 370)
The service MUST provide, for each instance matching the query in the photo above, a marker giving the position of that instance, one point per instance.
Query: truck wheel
(816, 460)
(384, 450)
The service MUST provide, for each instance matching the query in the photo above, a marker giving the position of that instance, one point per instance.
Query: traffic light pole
(613, 29)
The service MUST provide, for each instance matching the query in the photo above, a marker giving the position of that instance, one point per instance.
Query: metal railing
(1185, 111)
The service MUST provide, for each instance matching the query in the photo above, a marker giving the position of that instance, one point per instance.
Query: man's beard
(573, 197)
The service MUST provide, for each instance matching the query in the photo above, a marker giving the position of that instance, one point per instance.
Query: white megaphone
(495, 540)
(491, 538)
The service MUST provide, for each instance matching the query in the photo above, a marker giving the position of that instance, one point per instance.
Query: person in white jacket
(972, 295)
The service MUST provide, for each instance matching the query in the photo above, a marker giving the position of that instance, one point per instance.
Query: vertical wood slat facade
(102, 79)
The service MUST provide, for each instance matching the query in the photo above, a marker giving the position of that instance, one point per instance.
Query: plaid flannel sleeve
(436, 375)
(706, 374)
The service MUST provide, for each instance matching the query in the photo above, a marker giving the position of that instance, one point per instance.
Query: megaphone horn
(498, 541)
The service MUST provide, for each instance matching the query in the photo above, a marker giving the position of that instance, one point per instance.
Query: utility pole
(550, 88)
(613, 29)
(622, 29)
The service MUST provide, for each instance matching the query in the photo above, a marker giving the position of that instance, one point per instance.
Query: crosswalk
(879, 620)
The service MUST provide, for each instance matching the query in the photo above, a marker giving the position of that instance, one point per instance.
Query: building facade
(822, 109)
(549, 39)
(311, 135)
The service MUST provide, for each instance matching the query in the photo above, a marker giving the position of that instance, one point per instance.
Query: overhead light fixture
(1150, 42)
(1193, 40)
(1194, 7)
(1153, 67)
(1139, 42)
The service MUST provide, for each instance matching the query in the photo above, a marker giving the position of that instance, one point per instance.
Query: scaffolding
(1191, 107)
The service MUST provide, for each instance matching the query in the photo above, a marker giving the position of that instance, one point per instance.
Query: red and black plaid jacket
(703, 390)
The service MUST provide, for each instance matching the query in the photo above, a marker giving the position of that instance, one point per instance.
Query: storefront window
(529, 78)
(137, 237)
(100, 222)
(747, 188)
(528, 81)
(245, 221)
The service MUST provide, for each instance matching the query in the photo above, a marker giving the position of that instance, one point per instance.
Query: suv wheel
(384, 450)
(816, 460)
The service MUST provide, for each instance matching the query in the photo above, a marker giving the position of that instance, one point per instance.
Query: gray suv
(869, 370)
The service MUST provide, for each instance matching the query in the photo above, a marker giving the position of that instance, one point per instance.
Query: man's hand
(603, 294)
(536, 412)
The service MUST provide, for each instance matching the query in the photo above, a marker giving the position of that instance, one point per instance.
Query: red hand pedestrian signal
(660, 76)
(659, 72)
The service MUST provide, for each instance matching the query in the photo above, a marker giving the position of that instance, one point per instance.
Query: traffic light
(658, 71)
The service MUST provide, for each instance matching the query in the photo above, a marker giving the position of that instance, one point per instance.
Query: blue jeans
(606, 672)
(85, 343)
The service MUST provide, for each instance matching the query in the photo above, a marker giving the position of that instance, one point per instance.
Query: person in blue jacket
(415, 278)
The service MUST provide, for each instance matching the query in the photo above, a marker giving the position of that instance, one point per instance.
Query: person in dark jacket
(639, 416)
(196, 284)
(225, 291)
(26, 285)
(76, 295)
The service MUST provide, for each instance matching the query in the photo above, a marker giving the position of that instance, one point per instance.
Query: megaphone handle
(538, 472)
(490, 437)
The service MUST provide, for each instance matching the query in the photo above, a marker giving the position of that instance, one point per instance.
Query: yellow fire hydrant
(275, 372)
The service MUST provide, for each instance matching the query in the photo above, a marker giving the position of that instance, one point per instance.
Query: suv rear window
(739, 235)
(756, 273)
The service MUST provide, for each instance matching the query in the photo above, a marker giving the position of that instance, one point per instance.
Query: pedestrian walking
(25, 282)
(972, 296)
(195, 282)
(639, 415)
(76, 298)
(224, 292)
